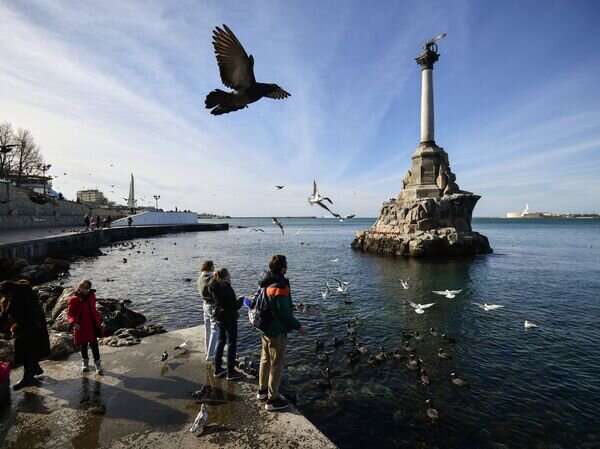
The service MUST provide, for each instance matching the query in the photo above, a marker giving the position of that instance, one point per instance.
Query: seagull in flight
(318, 199)
(420, 308)
(256, 230)
(298, 231)
(337, 259)
(237, 72)
(347, 217)
(279, 187)
(405, 285)
(448, 293)
(487, 307)
(201, 420)
(276, 222)
(342, 287)
(529, 325)
(327, 291)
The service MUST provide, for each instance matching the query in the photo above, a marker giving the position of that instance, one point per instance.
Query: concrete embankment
(141, 402)
(76, 242)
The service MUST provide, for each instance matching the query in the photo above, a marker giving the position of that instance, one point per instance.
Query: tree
(27, 156)
(6, 159)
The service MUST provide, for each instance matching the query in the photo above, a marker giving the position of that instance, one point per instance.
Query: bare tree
(27, 156)
(6, 158)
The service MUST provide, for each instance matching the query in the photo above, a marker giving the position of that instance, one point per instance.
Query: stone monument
(431, 216)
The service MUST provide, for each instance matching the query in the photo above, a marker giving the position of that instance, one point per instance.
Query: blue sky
(516, 100)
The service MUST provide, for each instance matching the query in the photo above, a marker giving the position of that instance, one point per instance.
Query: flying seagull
(327, 291)
(316, 197)
(237, 72)
(405, 285)
(256, 230)
(347, 217)
(276, 222)
(488, 307)
(342, 287)
(419, 308)
(279, 187)
(448, 293)
(201, 420)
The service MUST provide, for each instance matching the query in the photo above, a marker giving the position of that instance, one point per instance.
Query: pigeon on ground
(276, 222)
(237, 72)
(164, 356)
(201, 420)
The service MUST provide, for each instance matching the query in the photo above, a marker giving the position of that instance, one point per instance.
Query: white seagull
(529, 325)
(276, 222)
(447, 293)
(405, 283)
(184, 346)
(342, 287)
(419, 308)
(201, 420)
(316, 197)
(337, 259)
(298, 231)
(327, 291)
(487, 307)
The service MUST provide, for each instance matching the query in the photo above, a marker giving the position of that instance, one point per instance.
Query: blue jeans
(227, 334)
(211, 331)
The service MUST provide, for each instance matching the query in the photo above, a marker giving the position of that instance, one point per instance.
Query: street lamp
(44, 167)
(156, 198)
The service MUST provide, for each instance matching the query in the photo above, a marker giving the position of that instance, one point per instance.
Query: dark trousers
(227, 334)
(94, 348)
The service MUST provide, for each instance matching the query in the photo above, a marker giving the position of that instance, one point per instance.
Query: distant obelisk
(431, 216)
(131, 198)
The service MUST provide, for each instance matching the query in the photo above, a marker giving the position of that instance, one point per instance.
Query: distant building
(39, 184)
(93, 197)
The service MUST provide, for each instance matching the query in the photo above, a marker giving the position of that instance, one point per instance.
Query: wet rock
(61, 323)
(48, 295)
(62, 302)
(7, 351)
(61, 344)
(38, 274)
(60, 264)
(115, 315)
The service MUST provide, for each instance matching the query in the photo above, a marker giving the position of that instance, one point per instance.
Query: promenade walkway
(141, 402)
(21, 235)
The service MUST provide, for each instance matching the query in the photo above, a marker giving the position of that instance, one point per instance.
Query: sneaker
(99, 369)
(262, 395)
(220, 374)
(85, 365)
(235, 375)
(280, 403)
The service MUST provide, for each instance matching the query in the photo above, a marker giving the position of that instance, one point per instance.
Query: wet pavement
(141, 402)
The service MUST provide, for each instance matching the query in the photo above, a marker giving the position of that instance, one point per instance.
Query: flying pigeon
(237, 72)
(201, 420)
(276, 222)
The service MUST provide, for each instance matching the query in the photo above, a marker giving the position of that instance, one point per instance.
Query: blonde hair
(84, 282)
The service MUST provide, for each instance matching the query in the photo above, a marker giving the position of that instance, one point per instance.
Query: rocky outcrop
(116, 315)
(425, 227)
(18, 268)
(61, 344)
(129, 337)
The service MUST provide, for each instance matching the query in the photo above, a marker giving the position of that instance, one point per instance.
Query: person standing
(108, 221)
(86, 221)
(211, 331)
(98, 222)
(87, 326)
(20, 307)
(274, 338)
(226, 314)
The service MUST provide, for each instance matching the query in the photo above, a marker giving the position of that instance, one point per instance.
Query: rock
(59, 263)
(62, 302)
(61, 344)
(61, 323)
(19, 264)
(7, 351)
(115, 315)
(38, 274)
(48, 295)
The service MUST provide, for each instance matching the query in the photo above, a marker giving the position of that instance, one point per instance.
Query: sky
(517, 103)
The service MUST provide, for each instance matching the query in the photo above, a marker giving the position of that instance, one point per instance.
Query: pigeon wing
(416, 306)
(277, 93)
(235, 66)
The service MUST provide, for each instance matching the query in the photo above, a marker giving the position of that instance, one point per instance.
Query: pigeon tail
(222, 102)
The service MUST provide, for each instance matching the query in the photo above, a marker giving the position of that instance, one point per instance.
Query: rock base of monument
(425, 227)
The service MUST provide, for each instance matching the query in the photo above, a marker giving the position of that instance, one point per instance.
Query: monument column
(426, 61)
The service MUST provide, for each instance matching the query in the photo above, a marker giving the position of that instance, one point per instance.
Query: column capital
(427, 59)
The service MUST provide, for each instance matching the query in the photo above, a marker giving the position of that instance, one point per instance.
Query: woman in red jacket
(86, 323)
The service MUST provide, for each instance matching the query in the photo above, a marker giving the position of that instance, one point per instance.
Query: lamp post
(44, 167)
(156, 198)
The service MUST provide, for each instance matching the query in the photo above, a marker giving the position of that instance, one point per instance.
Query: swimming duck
(362, 349)
(380, 356)
(337, 343)
(398, 354)
(319, 345)
(406, 336)
(424, 377)
(431, 412)
(443, 355)
(448, 338)
(413, 363)
(433, 332)
(418, 336)
(408, 348)
(351, 357)
(323, 357)
(372, 360)
(458, 381)
(326, 384)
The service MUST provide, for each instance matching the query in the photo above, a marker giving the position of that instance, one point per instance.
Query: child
(85, 320)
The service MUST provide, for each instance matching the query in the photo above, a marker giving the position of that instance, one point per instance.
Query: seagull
(237, 72)
(316, 197)
(298, 231)
(419, 308)
(279, 187)
(327, 291)
(164, 356)
(201, 420)
(529, 325)
(448, 293)
(347, 217)
(342, 287)
(405, 284)
(256, 230)
(337, 259)
(431, 412)
(276, 222)
(488, 307)
(184, 346)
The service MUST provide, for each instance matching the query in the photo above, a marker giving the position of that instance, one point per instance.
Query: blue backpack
(260, 314)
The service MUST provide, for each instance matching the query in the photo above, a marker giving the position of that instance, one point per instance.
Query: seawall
(78, 242)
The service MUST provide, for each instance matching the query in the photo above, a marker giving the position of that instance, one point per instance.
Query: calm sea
(528, 389)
